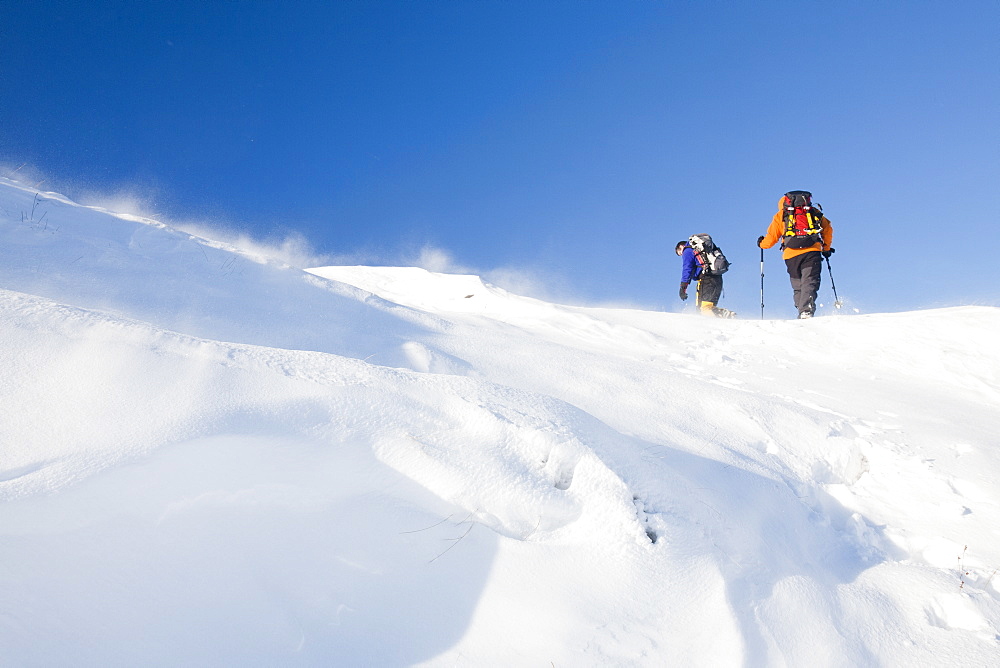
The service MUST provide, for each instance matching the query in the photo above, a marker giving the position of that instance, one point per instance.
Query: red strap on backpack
(799, 217)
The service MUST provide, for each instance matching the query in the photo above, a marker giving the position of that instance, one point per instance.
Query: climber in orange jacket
(806, 236)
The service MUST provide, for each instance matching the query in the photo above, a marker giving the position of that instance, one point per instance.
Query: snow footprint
(559, 466)
(845, 461)
(650, 520)
(428, 360)
(956, 611)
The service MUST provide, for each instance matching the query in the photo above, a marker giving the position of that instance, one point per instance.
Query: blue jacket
(690, 269)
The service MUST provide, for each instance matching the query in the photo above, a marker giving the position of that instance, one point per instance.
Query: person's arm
(689, 266)
(689, 271)
(774, 232)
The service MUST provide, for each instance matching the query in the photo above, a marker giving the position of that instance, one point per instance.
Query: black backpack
(802, 220)
(709, 256)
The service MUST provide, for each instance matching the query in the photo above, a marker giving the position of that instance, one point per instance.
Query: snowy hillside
(208, 457)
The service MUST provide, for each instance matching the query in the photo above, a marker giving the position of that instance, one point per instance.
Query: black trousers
(709, 289)
(805, 272)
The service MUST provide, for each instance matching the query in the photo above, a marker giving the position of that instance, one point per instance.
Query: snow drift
(209, 457)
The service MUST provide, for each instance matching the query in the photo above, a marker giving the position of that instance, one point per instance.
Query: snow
(209, 457)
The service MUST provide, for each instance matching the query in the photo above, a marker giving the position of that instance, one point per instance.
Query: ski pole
(762, 283)
(837, 303)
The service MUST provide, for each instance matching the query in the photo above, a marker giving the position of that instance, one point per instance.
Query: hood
(783, 201)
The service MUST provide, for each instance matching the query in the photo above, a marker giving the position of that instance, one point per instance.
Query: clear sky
(569, 142)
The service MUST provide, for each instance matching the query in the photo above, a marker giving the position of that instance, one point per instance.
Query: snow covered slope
(208, 457)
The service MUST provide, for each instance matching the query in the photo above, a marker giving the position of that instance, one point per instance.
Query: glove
(760, 239)
(828, 253)
(683, 294)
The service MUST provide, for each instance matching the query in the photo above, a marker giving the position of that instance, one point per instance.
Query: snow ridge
(211, 457)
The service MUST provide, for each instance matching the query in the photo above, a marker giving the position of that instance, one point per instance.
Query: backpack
(709, 256)
(802, 220)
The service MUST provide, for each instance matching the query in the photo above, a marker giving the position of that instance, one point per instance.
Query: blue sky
(569, 142)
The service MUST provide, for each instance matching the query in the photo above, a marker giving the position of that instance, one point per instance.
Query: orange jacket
(776, 230)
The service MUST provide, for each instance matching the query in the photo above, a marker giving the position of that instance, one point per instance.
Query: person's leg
(709, 292)
(811, 273)
(792, 264)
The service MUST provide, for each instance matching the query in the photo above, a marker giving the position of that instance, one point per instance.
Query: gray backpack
(709, 255)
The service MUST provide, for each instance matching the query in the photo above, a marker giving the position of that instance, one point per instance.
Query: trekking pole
(836, 303)
(762, 283)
